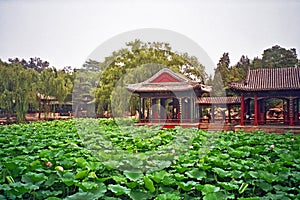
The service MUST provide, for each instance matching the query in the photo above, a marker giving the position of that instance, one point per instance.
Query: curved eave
(218, 100)
(250, 89)
(160, 88)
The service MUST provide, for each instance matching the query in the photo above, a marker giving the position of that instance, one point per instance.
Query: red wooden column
(229, 116)
(154, 109)
(256, 111)
(242, 122)
(140, 108)
(291, 111)
(296, 115)
(180, 110)
(150, 109)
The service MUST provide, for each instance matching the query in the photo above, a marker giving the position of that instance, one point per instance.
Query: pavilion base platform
(202, 126)
(269, 128)
(278, 129)
(216, 126)
(170, 125)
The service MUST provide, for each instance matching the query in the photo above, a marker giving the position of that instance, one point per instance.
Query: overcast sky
(65, 33)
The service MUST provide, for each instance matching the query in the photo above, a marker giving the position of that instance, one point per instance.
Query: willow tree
(25, 92)
(6, 89)
(53, 85)
(18, 89)
(63, 86)
(123, 101)
(138, 53)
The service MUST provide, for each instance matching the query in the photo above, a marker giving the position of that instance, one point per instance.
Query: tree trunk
(40, 109)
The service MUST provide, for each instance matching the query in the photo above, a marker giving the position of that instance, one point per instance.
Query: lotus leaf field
(109, 159)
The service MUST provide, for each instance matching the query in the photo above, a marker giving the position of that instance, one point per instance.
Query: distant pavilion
(261, 86)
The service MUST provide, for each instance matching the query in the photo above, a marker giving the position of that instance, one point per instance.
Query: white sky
(65, 33)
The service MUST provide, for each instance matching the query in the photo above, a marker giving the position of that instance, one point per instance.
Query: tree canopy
(17, 89)
(85, 84)
(278, 57)
(25, 83)
(138, 54)
(35, 63)
(274, 57)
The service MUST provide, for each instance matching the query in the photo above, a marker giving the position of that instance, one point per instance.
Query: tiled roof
(219, 100)
(182, 84)
(270, 79)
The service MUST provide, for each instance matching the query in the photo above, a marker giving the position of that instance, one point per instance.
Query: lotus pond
(109, 159)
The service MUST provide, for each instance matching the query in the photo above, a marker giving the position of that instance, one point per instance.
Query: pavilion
(169, 98)
(263, 89)
(268, 99)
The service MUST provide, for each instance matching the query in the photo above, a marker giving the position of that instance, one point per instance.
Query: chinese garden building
(267, 97)
(270, 97)
(169, 99)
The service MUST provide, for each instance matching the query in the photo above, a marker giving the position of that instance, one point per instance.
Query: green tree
(221, 76)
(122, 101)
(243, 65)
(6, 89)
(53, 85)
(18, 89)
(137, 54)
(256, 63)
(36, 63)
(92, 66)
(226, 74)
(278, 57)
(25, 92)
(237, 73)
(63, 86)
(85, 84)
(25, 83)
